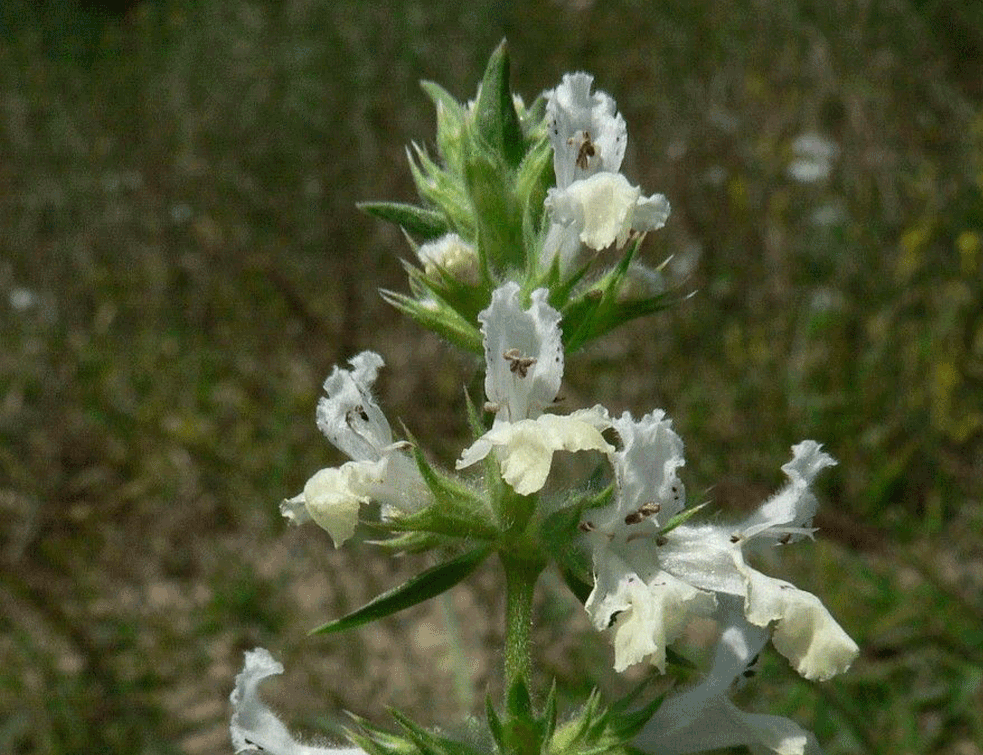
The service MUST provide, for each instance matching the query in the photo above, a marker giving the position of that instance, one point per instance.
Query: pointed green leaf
(549, 712)
(533, 178)
(451, 118)
(495, 725)
(677, 659)
(683, 516)
(422, 587)
(411, 542)
(441, 96)
(495, 118)
(578, 586)
(440, 318)
(475, 421)
(430, 742)
(427, 224)
(497, 212)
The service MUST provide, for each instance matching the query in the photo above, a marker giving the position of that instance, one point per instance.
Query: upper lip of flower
(349, 416)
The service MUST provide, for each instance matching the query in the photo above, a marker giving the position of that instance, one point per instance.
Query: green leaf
(495, 118)
(683, 516)
(442, 189)
(494, 725)
(457, 510)
(451, 118)
(533, 178)
(578, 586)
(427, 224)
(429, 584)
(440, 318)
(430, 743)
(498, 214)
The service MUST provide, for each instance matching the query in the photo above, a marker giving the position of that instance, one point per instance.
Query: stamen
(518, 364)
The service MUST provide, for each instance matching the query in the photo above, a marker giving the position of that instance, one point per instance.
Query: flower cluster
(507, 279)
(593, 204)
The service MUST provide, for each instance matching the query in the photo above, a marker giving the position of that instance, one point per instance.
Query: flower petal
(651, 213)
(523, 353)
(254, 727)
(601, 208)
(703, 718)
(349, 416)
(790, 511)
(647, 614)
(646, 467)
(526, 447)
(333, 496)
(587, 133)
(805, 632)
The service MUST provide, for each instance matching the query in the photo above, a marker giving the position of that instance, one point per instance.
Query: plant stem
(520, 584)
(522, 735)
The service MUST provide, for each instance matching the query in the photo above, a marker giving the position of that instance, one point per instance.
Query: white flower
(647, 606)
(603, 209)
(451, 254)
(523, 353)
(703, 717)
(380, 470)
(708, 558)
(592, 204)
(254, 727)
(524, 367)
(587, 134)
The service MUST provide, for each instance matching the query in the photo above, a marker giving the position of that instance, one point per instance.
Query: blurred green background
(181, 263)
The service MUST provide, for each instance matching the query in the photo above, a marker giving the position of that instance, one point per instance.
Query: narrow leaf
(422, 587)
(427, 224)
(494, 112)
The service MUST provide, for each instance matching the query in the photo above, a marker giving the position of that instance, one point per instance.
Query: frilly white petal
(651, 213)
(790, 511)
(648, 614)
(646, 466)
(574, 114)
(805, 633)
(678, 728)
(521, 389)
(526, 447)
(332, 497)
(254, 727)
(294, 510)
(349, 416)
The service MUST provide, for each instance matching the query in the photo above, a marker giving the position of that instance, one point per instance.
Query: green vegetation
(181, 262)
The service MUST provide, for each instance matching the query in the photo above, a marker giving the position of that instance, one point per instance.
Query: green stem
(522, 735)
(520, 584)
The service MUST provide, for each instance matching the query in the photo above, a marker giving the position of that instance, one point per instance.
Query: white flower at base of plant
(380, 470)
(254, 727)
(603, 209)
(524, 367)
(704, 718)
